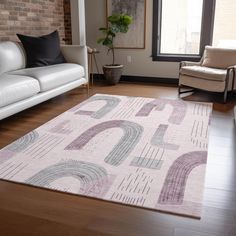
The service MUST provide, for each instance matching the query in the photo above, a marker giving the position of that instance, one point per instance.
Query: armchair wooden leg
(179, 90)
(225, 95)
(189, 90)
(226, 86)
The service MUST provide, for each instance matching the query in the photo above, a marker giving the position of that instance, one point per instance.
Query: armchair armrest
(76, 54)
(232, 67)
(189, 63)
(230, 74)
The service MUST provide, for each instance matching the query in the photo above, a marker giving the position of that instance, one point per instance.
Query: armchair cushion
(189, 63)
(204, 72)
(220, 58)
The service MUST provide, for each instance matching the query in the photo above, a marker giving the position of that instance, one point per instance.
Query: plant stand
(92, 59)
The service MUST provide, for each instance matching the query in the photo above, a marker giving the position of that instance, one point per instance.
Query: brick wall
(67, 21)
(34, 17)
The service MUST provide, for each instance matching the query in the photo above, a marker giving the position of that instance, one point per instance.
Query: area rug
(144, 152)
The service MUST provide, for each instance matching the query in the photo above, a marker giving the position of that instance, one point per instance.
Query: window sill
(176, 58)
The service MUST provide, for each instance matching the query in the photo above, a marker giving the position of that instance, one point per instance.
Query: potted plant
(117, 23)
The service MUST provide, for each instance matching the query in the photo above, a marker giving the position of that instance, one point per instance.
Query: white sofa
(21, 88)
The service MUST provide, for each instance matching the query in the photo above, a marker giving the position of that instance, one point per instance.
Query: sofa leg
(87, 86)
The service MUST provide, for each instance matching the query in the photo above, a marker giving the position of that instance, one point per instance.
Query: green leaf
(100, 40)
(111, 33)
(115, 28)
(124, 29)
(108, 42)
(127, 19)
(113, 18)
(102, 28)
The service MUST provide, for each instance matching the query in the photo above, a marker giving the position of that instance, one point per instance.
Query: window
(181, 28)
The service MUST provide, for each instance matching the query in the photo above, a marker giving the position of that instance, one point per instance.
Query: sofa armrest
(76, 54)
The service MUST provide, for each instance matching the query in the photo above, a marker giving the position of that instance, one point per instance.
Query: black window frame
(207, 27)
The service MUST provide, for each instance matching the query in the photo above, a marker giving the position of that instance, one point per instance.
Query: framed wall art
(135, 37)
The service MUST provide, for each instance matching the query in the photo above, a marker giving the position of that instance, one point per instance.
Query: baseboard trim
(142, 79)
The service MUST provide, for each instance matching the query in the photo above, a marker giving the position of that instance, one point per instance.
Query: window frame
(206, 36)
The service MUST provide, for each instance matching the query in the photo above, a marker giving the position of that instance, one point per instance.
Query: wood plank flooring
(31, 211)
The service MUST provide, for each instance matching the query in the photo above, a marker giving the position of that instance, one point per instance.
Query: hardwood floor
(31, 211)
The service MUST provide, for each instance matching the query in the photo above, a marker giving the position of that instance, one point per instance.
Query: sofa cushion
(42, 51)
(12, 57)
(204, 72)
(50, 77)
(16, 88)
(220, 58)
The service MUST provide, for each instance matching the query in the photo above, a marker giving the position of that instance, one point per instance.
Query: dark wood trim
(155, 28)
(145, 79)
(208, 16)
(142, 79)
(208, 13)
(174, 58)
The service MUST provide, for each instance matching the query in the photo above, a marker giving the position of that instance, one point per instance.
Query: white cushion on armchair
(204, 72)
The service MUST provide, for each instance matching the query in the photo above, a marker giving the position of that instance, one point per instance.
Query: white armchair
(215, 72)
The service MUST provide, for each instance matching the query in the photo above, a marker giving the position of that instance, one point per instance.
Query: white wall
(224, 32)
(78, 22)
(142, 64)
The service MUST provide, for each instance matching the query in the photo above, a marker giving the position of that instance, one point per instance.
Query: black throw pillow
(42, 51)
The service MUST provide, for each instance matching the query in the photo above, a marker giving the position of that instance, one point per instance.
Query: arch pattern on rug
(177, 116)
(111, 103)
(131, 135)
(62, 128)
(158, 139)
(175, 182)
(93, 178)
(23, 142)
